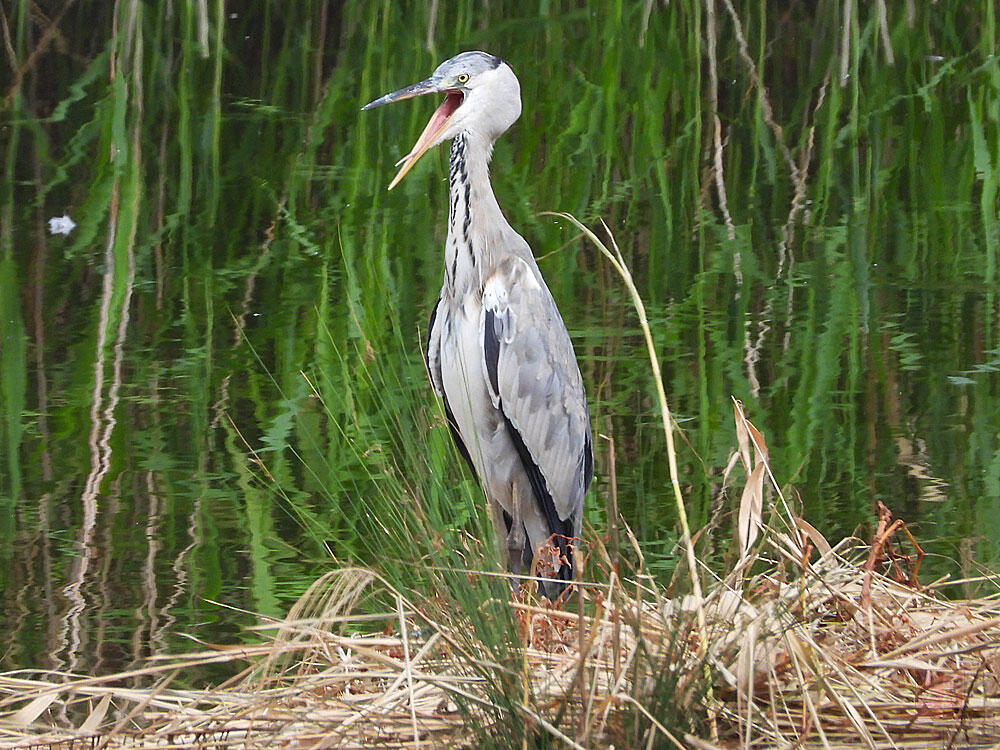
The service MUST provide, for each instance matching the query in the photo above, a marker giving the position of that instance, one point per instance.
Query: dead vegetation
(802, 644)
(837, 655)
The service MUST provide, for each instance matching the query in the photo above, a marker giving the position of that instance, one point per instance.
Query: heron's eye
(462, 77)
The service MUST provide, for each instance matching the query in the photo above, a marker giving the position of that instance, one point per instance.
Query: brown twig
(43, 43)
(886, 528)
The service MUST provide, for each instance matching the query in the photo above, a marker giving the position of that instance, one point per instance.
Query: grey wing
(533, 377)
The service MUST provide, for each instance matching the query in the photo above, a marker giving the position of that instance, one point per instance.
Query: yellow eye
(462, 77)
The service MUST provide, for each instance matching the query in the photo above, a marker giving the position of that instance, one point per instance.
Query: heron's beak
(435, 127)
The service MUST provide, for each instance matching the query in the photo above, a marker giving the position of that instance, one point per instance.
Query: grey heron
(498, 352)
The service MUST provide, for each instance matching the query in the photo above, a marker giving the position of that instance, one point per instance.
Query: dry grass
(839, 655)
(828, 652)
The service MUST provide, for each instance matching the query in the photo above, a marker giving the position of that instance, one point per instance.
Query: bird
(498, 352)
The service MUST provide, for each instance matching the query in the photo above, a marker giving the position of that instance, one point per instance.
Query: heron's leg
(517, 537)
(502, 524)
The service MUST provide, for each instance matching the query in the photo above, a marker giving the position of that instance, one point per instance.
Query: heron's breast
(461, 351)
(463, 378)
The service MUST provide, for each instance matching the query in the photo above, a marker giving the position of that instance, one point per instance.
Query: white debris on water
(61, 225)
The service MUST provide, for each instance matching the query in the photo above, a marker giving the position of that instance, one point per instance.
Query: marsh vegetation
(214, 381)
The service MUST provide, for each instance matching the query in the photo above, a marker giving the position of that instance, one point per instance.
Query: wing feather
(491, 351)
(534, 379)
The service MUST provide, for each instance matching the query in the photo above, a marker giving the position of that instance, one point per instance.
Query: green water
(216, 377)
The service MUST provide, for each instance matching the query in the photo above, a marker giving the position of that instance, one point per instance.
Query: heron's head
(482, 97)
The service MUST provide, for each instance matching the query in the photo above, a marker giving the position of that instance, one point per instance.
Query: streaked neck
(476, 225)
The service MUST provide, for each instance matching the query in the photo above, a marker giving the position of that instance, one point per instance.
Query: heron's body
(498, 351)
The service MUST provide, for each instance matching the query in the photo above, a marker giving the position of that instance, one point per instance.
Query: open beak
(435, 127)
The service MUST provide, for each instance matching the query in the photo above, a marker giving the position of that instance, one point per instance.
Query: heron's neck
(476, 226)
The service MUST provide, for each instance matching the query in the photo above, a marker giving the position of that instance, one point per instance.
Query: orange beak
(435, 126)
